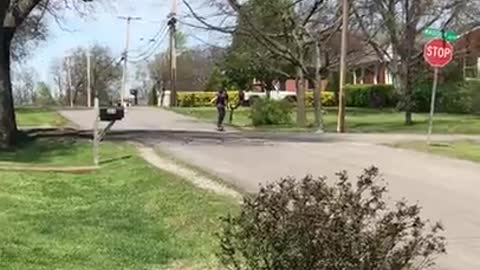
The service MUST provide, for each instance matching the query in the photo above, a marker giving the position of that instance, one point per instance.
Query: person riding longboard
(221, 101)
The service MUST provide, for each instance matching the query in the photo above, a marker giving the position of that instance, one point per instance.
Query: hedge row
(370, 96)
(202, 99)
(463, 97)
(367, 96)
(328, 99)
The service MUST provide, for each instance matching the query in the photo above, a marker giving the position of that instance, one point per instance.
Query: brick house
(467, 51)
(366, 67)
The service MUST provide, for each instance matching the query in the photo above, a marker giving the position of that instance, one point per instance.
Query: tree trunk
(8, 125)
(301, 112)
(268, 88)
(317, 91)
(408, 101)
(411, 21)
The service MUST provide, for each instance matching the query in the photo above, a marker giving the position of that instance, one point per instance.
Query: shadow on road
(185, 136)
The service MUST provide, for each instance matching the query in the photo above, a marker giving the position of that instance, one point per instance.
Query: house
(367, 67)
(467, 51)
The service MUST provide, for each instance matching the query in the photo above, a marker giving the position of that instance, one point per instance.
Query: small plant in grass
(313, 224)
(271, 112)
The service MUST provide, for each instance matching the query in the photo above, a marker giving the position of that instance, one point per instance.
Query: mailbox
(112, 114)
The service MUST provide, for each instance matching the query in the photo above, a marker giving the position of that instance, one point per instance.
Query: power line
(154, 44)
(151, 52)
(153, 39)
(203, 41)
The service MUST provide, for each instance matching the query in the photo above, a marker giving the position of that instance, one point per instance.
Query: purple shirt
(221, 100)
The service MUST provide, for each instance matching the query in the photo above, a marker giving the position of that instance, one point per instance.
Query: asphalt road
(448, 189)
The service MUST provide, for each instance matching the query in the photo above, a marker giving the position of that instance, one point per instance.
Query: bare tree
(105, 70)
(30, 34)
(195, 65)
(13, 15)
(292, 30)
(60, 80)
(143, 80)
(393, 29)
(24, 82)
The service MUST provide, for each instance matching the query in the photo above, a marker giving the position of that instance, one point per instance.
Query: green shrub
(370, 95)
(313, 224)
(328, 98)
(474, 90)
(202, 99)
(462, 97)
(271, 112)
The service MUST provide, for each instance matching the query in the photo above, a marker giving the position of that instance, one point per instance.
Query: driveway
(448, 189)
(141, 118)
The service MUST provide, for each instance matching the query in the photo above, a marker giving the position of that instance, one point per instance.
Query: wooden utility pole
(173, 54)
(128, 19)
(96, 139)
(343, 69)
(69, 80)
(89, 82)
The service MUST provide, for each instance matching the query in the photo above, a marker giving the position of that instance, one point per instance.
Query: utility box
(112, 114)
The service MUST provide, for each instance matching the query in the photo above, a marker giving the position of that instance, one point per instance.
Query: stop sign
(438, 52)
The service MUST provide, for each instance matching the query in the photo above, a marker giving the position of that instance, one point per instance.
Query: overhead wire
(151, 50)
(147, 54)
(154, 38)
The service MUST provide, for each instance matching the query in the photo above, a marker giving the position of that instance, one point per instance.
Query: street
(446, 188)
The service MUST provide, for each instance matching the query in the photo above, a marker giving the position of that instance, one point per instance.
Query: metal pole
(343, 71)
(89, 83)
(432, 105)
(96, 139)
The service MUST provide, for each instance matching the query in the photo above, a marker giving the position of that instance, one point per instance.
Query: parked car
(251, 96)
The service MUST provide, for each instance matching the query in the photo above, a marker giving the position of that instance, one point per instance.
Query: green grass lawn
(127, 215)
(468, 150)
(35, 117)
(359, 120)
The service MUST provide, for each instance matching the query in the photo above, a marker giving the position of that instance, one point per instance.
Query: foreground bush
(271, 112)
(313, 224)
(370, 96)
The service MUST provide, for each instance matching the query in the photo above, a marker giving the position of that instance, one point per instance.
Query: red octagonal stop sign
(438, 52)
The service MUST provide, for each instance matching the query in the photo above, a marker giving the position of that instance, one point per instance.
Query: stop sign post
(437, 53)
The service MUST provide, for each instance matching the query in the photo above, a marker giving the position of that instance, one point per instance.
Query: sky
(105, 28)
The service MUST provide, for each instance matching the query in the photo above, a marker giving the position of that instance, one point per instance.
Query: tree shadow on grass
(44, 150)
(112, 160)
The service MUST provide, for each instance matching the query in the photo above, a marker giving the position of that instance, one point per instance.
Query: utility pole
(69, 80)
(343, 68)
(173, 54)
(125, 54)
(89, 82)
